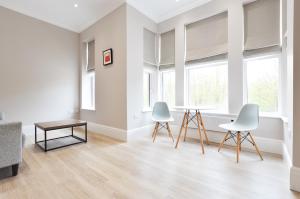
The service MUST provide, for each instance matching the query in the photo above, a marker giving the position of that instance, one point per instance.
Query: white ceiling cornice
(182, 10)
(148, 11)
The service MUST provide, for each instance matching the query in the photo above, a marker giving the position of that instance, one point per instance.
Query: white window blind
(207, 38)
(167, 50)
(262, 24)
(149, 47)
(90, 56)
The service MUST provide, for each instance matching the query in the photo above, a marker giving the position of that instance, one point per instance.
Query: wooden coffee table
(59, 142)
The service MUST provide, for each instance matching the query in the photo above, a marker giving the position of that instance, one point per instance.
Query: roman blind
(207, 38)
(167, 50)
(90, 56)
(149, 48)
(262, 24)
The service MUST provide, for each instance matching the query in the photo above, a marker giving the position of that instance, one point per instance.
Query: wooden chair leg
(204, 129)
(222, 143)
(256, 148)
(181, 128)
(238, 146)
(186, 125)
(156, 131)
(169, 131)
(199, 131)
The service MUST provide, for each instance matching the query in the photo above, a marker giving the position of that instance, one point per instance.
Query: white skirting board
(295, 178)
(264, 144)
(116, 133)
(138, 132)
(286, 156)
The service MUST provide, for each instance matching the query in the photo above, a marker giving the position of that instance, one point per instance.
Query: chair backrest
(161, 110)
(249, 116)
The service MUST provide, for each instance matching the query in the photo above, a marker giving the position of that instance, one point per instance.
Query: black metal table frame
(57, 128)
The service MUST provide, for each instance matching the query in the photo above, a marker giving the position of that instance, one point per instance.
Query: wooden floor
(105, 168)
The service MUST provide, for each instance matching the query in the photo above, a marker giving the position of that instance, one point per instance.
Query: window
(88, 77)
(168, 87)
(262, 82)
(147, 90)
(88, 100)
(207, 85)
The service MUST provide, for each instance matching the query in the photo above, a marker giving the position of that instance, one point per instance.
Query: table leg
(45, 141)
(186, 125)
(204, 129)
(72, 130)
(238, 140)
(182, 126)
(35, 134)
(86, 133)
(199, 131)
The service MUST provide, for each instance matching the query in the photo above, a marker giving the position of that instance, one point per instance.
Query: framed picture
(107, 57)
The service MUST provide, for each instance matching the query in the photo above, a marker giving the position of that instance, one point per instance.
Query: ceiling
(63, 13)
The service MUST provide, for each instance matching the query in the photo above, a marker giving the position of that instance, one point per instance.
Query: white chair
(161, 116)
(239, 130)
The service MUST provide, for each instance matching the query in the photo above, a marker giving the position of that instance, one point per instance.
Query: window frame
(85, 78)
(263, 56)
(161, 94)
(148, 73)
(204, 65)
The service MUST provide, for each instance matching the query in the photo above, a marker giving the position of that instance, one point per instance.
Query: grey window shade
(149, 47)
(262, 24)
(90, 56)
(150, 67)
(216, 58)
(262, 51)
(207, 38)
(167, 50)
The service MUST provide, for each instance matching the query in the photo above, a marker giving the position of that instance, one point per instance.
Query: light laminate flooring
(105, 168)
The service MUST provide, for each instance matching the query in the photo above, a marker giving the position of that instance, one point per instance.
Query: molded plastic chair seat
(161, 116)
(237, 127)
(247, 121)
(162, 119)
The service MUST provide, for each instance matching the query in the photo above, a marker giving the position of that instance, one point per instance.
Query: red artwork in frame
(107, 57)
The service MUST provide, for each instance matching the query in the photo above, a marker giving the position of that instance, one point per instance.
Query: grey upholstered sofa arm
(1, 116)
(10, 143)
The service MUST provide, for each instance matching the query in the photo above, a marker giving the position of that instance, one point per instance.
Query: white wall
(296, 88)
(39, 69)
(110, 86)
(136, 22)
(294, 64)
(288, 106)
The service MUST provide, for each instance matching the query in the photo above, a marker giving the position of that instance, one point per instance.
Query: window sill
(88, 109)
(224, 114)
(261, 115)
(146, 110)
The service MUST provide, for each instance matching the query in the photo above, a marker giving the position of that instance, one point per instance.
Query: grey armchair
(1, 116)
(10, 144)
